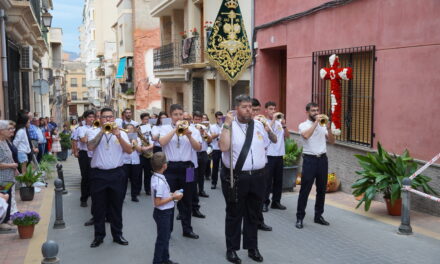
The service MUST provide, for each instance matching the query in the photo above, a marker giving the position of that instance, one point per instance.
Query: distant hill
(70, 55)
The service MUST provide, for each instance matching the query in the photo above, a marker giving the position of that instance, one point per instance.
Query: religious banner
(335, 75)
(228, 46)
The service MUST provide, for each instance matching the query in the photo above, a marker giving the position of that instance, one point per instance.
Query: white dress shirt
(21, 141)
(91, 134)
(121, 122)
(83, 133)
(316, 144)
(215, 129)
(160, 189)
(155, 131)
(179, 148)
(133, 158)
(277, 149)
(256, 158)
(109, 154)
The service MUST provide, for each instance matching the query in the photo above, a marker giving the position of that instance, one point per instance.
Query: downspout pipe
(252, 89)
(4, 62)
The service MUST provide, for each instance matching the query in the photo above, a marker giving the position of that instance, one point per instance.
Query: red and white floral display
(335, 75)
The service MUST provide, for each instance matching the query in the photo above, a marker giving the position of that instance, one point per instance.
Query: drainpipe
(251, 90)
(4, 62)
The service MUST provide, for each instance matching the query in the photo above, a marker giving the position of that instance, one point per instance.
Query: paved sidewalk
(351, 237)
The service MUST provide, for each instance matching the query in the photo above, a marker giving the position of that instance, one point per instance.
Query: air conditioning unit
(26, 58)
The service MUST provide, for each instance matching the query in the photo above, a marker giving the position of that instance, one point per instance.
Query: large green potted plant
(291, 158)
(27, 179)
(383, 173)
(65, 146)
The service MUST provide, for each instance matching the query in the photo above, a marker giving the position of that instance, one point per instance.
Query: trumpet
(262, 119)
(96, 124)
(182, 126)
(324, 120)
(278, 116)
(201, 126)
(108, 127)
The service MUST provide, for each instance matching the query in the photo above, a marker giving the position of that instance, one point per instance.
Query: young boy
(163, 201)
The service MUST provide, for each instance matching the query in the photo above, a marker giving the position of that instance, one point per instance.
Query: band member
(215, 130)
(147, 150)
(202, 156)
(83, 157)
(108, 181)
(243, 204)
(275, 153)
(155, 132)
(315, 164)
(126, 119)
(178, 140)
(132, 165)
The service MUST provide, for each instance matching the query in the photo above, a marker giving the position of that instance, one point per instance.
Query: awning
(121, 68)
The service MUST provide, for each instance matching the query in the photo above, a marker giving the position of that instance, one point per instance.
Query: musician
(215, 130)
(126, 119)
(145, 129)
(315, 164)
(243, 204)
(155, 132)
(180, 172)
(132, 165)
(107, 183)
(83, 157)
(202, 155)
(275, 153)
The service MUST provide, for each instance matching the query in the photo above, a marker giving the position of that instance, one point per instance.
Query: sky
(67, 14)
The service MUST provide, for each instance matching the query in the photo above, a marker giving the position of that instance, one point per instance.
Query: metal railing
(178, 53)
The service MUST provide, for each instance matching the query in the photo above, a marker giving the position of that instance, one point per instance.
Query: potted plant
(291, 158)
(183, 34)
(25, 223)
(383, 173)
(65, 146)
(28, 178)
(195, 33)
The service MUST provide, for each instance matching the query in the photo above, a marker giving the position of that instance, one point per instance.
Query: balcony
(165, 7)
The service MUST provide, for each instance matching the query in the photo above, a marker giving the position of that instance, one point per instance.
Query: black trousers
(195, 198)
(216, 158)
(202, 160)
(251, 191)
(84, 167)
(133, 173)
(314, 169)
(8, 211)
(274, 178)
(148, 172)
(107, 190)
(157, 149)
(163, 219)
(176, 178)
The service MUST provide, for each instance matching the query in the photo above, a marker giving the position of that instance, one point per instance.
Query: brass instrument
(108, 127)
(324, 120)
(96, 124)
(182, 126)
(278, 116)
(262, 119)
(205, 128)
(145, 143)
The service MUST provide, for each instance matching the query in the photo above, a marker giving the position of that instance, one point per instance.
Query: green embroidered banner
(228, 45)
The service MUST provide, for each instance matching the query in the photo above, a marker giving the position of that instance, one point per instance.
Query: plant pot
(358, 198)
(289, 177)
(26, 232)
(396, 208)
(27, 193)
(62, 155)
(333, 183)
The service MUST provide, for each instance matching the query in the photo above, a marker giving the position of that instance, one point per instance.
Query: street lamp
(47, 19)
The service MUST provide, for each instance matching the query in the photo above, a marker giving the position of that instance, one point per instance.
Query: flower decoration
(26, 218)
(208, 25)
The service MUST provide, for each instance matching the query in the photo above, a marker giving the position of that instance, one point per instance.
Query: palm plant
(293, 152)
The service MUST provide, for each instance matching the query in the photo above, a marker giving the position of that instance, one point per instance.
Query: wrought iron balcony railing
(177, 54)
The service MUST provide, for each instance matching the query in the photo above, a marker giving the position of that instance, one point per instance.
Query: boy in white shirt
(163, 201)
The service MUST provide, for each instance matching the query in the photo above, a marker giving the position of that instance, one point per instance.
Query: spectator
(14, 151)
(52, 125)
(41, 138)
(47, 135)
(21, 141)
(56, 145)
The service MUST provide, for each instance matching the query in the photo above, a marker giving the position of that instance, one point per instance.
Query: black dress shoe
(178, 217)
(120, 240)
(277, 205)
(232, 256)
(96, 242)
(264, 227)
(265, 208)
(299, 224)
(191, 235)
(320, 220)
(198, 214)
(203, 194)
(213, 187)
(90, 222)
(83, 204)
(135, 199)
(255, 255)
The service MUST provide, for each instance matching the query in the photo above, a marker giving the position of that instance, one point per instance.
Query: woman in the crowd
(46, 132)
(73, 125)
(21, 141)
(155, 131)
(14, 151)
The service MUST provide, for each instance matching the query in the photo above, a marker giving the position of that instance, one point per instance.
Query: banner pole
(231, 153)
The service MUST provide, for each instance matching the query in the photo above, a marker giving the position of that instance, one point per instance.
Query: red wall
(406, 34)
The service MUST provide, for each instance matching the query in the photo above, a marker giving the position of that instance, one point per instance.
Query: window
(357, 94)
(73, 96)
(73, 82)
(83, 82)
(85, 95)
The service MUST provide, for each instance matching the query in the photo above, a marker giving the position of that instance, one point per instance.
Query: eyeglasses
(107, 117)
(11, 128)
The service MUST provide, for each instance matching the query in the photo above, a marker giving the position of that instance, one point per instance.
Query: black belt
(180, 162)
(249, 172)
(315, 156)
(83, 150)
(110, 170)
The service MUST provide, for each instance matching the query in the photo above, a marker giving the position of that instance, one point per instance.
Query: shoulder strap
(246, 146)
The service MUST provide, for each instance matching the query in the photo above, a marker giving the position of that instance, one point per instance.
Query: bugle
(324, 120)
(182, 126)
